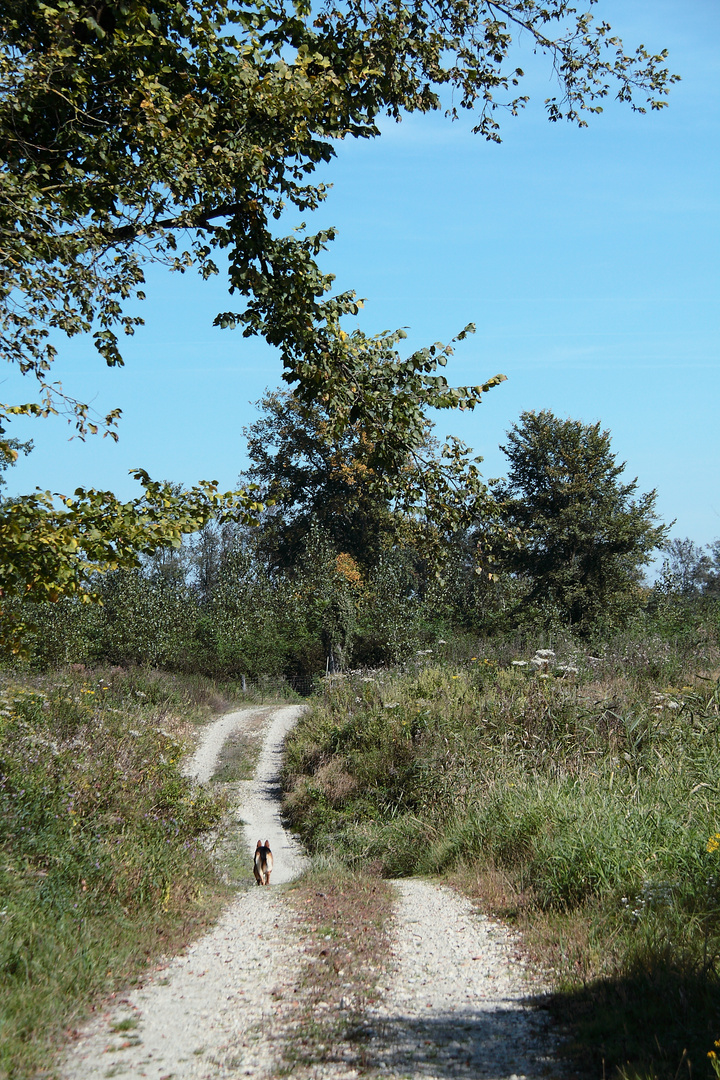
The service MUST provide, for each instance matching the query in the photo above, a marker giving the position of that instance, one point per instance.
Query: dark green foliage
(314, 480)
(339, 574)
(314, 477)
(321, 614)
(584, 538)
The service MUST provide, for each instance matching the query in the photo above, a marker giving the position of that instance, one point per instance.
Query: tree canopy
(584, 537)
(52, 547)
(151, 130)
(154, 131)
(312, 477)
(690, 570)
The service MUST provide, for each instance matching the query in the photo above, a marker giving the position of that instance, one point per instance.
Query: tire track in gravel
(456, 1003)
(201, 1015)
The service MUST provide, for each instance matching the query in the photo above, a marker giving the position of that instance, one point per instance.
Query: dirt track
(453, 1006)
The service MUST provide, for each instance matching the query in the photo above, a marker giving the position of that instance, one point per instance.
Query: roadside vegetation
(574, 794)
(102, 867)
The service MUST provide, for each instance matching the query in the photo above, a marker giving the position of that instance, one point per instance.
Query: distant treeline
(338, 574)
(216, 607)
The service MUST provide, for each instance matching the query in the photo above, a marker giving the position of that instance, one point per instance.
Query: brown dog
(263, 863)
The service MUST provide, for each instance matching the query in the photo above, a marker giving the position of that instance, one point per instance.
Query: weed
(342, 922)
(585, 804)
(128, 1024)
(102, 867)
(240, 754)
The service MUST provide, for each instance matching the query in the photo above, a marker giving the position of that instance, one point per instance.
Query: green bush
(592, 795)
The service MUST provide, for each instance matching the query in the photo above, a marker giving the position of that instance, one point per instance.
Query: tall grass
(592, 795)
(101, 866)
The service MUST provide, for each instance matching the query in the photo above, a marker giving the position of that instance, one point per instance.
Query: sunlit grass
(101, 864)
(591, 796)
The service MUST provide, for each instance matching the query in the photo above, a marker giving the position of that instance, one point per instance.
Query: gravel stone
(456, 1004)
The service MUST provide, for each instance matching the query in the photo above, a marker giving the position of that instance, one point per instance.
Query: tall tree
(309, 478)
(313, 476)
(584, 538)
(686, 567)
(150, 130)
(689, 570)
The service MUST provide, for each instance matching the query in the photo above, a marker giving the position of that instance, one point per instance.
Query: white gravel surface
(456, 1002)
(259, 806)
(202, 1015)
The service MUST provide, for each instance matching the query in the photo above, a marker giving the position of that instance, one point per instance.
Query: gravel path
(259, 805)
(455, 1004)
(201, 1016)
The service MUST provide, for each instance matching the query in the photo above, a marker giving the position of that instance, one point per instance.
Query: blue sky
(587, 258)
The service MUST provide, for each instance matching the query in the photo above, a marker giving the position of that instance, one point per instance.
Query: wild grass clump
(101, 866)
(589, 787)
(343, 922)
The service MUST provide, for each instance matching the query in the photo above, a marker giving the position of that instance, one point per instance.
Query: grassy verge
(239, 756)
(342, 920)
(580, 802)
(101, 868)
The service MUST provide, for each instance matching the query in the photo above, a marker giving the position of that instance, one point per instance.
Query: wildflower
(713, 843)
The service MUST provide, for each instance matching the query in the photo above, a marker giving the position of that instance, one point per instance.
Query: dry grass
(336, 782)
(342, 923)
(579, 809)
(239, 756)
